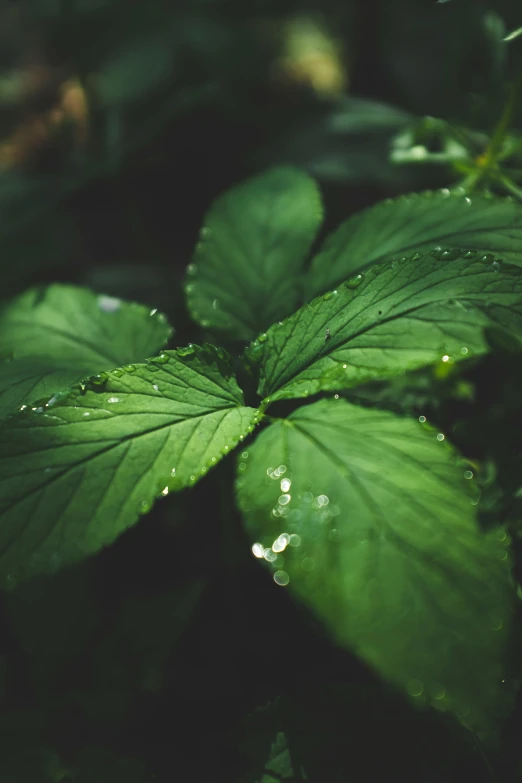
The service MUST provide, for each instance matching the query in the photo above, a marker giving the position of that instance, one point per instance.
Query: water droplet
(129, 368)
(269, 555)
(205, 323)
(189, 288)
(445, 192)
(450, 255)
(258, 550)
(464, 350)
(186, 350)
(153, 311)
(285, 485)
(354, 282)
(109, 304)
(144, 507)
(438, 692)
(284, 499)
(86, 414)
(468, 474)
(244, 455)
(440, 436)
(321, 500)
(445, 358)
(415, 688)
(422, 419)
(113, 399)
(192, 478)
(416, 256)
(294, 539)
(165, 491)
(117, 373)
(155, 387)
(345, 366)
(161, 359)
(327, 296)
(192, 270)
(281, 578)
(99, 380)
(496, 265)
(262, 338)
(469, 254)
(281, 543)
(488, 257)
(336, 396)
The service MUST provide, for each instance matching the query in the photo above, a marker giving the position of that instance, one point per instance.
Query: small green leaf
(369, 519)
(78, 470)
(279, 762)
(252, 249)
(61, 334)
(392, 319)
(418, 221)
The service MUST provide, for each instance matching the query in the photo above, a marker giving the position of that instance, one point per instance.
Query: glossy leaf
(78, 470)
(396, 227)
(252, 249)
(58, 335)
(394, 318)
(369, 519)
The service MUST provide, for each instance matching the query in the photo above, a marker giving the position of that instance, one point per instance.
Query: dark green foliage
(339, 600)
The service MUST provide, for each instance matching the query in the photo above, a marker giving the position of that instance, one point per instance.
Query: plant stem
(495, 144)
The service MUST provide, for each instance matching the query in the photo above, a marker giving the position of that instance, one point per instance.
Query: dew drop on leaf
(354, 282)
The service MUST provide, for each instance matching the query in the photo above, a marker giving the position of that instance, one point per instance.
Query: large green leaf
(252, 250)
(394, 318)
(395, 227)
(61, 334)
(369, 518)
(78, 470)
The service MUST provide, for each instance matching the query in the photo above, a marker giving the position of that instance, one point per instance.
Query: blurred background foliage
(171, 655)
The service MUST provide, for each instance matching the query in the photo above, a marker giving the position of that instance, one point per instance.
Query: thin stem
(510, 186)
(494, 147)
(484, 758)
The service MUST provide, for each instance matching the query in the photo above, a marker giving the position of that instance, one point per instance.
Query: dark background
(172, 655)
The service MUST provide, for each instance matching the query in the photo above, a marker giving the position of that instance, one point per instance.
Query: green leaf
(77, 471)
(418, 221)
(370, 520)
(279, 762)
(346, 140)
(394, 318)
(139, 67)
(253, 246)
(61, 334)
